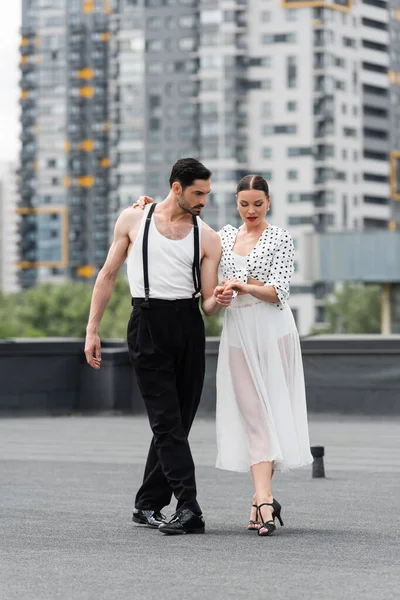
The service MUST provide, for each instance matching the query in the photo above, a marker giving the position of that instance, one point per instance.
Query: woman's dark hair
(253, 182)
(187, 170)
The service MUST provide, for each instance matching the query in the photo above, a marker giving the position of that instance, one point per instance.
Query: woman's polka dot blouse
(271, 261)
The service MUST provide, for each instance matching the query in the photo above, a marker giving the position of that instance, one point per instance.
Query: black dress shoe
(150, 518)
(184, 521)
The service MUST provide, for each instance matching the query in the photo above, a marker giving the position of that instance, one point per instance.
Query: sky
(9, 75)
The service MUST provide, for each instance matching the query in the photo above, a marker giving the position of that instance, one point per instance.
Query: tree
(49, 310)
(355, 308)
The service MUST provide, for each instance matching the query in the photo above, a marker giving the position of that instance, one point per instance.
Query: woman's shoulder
(227, 231)
(279, 234)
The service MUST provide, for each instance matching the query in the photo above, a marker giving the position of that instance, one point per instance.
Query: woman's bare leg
(262, 474)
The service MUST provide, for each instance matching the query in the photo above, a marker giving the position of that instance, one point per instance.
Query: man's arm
(214, 296)
(104, 285)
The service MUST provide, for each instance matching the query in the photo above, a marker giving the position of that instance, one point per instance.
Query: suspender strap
(196, 261)
(145, 252)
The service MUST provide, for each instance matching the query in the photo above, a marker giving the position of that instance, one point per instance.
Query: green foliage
(355, 308)
(62, 311)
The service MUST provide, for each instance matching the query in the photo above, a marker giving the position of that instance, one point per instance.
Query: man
(172, 256)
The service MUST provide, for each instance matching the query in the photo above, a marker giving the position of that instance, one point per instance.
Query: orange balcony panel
(88, 6)
(86, 73)
(86, 181)
(24, 41)
(85, 271)
(105, 37)
(86, 92)
(24, 94)
(67, 146)
(67, 181)
(24, 60)
(105, 162)
(86, 145)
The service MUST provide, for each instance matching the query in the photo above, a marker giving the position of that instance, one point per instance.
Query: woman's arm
(267, 293)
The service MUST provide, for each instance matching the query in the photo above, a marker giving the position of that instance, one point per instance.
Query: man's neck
(171, 211)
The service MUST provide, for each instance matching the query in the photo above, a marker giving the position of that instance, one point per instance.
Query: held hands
(93, 350)
(141, 203)
(225, 293)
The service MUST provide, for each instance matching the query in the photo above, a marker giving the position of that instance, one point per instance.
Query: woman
(261, 406)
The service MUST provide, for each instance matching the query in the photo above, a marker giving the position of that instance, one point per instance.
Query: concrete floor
(66, 495)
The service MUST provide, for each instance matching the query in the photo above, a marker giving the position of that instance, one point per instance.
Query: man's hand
(237, 286)
(143, 200)
(222, 295)
(93, 350)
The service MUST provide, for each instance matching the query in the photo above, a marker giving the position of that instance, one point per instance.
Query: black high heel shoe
(253, 525)
(276, 514)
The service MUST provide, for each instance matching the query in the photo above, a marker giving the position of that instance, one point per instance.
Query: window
(344, 154)
(264, 61)
(375, 178)
(291, 72)
(299, 151)
(154, 23)
(267, 152)
(279, 38)
(377, 134)
(374, 155)
(375, 90)
(209, 85)
(211, 17)
(266, 108)
(279, 129)
(294, 198)
(187, 44)
(374, 24)
(291, 15)
(292, 174)
(187, 21)
(187, 110)
(374, 111)
(154, 45)
(375, 46)
(375, 200)
(212, 61)
(300, 220)
(377, 3)
(349, 132)
(349, 42)
(266, 16)
(291, 106)
(155, 68)
(374, 68)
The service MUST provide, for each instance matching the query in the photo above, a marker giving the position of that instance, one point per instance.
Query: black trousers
(166, 343)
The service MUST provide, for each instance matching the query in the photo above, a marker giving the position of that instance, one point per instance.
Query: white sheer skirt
(261, 401)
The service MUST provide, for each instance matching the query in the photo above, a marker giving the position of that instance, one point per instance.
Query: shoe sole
(144, 523)
(175, 532)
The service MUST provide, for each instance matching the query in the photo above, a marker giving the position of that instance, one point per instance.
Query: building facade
(8, 228)
(64, 155)
(303, 92)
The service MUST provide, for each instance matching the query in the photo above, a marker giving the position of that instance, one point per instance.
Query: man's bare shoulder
(210, 240)
(209, 233)
(129, 219)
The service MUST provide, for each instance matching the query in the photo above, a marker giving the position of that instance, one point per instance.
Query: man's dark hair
(187, 170)
(253, 182)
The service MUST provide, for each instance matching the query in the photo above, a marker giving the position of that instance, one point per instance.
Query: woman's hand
(237, 286)
(143, 200)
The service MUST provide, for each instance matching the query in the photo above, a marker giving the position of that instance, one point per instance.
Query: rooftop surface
(66, 495)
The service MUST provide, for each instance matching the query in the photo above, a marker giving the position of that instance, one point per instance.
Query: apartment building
(303, 92)
(8, 228)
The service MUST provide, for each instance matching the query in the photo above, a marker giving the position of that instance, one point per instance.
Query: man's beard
(192, 210)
